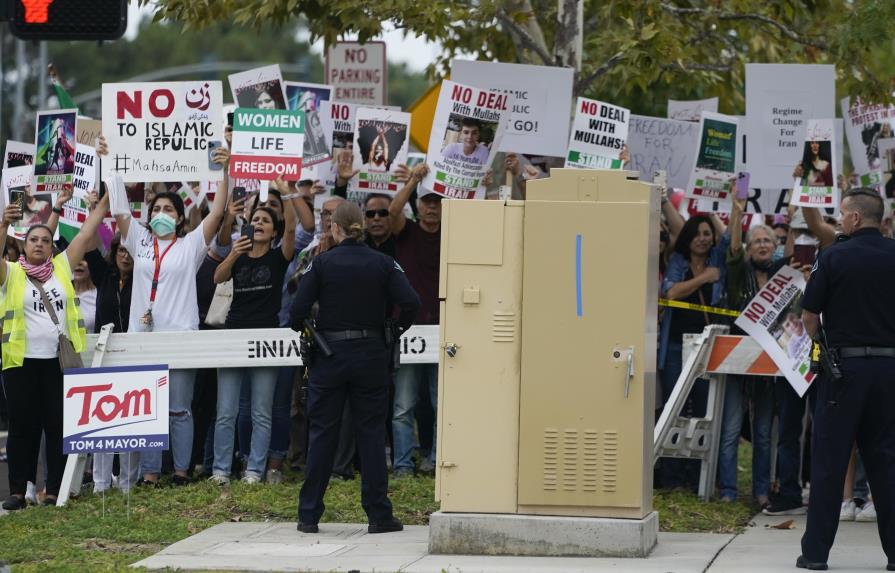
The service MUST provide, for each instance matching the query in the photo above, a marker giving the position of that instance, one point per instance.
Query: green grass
(90, 535)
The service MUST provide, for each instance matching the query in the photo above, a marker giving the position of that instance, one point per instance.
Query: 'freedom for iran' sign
(267, 144)
(115, 409)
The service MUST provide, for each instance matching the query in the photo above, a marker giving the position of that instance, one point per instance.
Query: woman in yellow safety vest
(32, 377)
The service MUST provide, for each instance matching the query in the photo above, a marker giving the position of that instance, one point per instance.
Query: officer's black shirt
(356, 288)
(851, 284)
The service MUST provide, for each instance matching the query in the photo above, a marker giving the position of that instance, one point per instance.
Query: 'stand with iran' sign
(267, 144)
(116, 409)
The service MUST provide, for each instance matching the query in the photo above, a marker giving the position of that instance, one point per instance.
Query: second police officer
(356, 289)
(851, 288)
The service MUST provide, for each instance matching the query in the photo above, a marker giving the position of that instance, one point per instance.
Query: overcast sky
(416, 52)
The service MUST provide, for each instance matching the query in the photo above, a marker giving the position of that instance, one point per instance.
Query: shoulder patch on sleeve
(308, 268)
(397, 266)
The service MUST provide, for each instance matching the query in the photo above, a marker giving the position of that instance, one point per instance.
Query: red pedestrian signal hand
(36, 11)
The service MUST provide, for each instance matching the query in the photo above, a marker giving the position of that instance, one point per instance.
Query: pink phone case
(742, 185)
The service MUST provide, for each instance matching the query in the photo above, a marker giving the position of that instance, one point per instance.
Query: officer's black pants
(357, 372)
(864, 413)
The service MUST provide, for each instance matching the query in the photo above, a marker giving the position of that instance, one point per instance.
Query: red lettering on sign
(461, 93)
(129, 404)
(589, 107)
(359, 55)
(132, 104)
(154, 107)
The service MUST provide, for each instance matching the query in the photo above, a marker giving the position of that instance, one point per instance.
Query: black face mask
(765, 266)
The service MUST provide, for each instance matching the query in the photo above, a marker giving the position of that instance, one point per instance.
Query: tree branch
(582, 84)
(524, 37)
(692, 66)
(787, 32)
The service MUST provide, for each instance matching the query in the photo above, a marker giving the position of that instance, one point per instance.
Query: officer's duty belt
(866, 351)
(340, 335)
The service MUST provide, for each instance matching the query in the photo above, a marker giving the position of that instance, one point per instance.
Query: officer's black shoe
(890, 567)
(308, 527)
(803, 563)
(389, 526)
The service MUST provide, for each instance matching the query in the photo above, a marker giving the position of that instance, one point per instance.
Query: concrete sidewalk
(341, 547)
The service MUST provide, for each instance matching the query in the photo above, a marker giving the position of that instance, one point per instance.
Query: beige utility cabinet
(548, 335)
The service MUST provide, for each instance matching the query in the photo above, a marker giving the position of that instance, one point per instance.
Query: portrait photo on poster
(306, 97)
(379, 143)
(817, 164)
(266, 95)
(55, 144)
(468, 139)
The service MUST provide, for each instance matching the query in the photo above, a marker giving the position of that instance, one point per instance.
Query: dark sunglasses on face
(370, 213)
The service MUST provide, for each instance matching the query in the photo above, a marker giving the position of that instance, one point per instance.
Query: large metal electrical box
(548, 358)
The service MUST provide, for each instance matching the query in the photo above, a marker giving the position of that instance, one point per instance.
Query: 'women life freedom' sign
(714, 168)
(267, 144)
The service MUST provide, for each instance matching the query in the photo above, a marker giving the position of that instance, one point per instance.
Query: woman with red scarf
(32, 377)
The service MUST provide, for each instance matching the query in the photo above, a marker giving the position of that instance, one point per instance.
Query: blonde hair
(350, 219)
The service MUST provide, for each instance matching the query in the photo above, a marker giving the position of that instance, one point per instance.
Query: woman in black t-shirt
(258, 271)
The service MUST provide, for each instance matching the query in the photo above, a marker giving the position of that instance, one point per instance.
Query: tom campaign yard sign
(115, 409)
(267, 143)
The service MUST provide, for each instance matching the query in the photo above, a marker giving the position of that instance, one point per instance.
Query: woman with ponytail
(39, 305)
(258, 270)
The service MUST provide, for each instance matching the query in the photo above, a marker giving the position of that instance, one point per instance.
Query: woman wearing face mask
(32, 378)
(748, 269)
(258, 270)
(695, 274)
(163, 299)
(113, 279)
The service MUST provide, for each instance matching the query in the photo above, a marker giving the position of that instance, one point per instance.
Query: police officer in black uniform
(851, 287)
(355, 288)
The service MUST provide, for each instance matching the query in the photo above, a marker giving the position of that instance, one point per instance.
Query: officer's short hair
(867, 202)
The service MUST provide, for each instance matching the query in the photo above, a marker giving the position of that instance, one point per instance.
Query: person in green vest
(32, 377)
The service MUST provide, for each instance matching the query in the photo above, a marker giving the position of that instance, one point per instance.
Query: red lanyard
(158, 266)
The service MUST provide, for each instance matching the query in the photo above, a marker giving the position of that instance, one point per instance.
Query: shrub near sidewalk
(92, 534)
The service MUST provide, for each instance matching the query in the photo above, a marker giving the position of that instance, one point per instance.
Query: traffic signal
(67, 19)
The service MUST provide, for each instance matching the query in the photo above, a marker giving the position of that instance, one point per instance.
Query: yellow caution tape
(700, 307)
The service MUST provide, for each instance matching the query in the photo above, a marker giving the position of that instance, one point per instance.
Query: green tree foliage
(636, 52)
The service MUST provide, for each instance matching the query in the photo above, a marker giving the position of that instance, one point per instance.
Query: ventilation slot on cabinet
(610, 461)
(590, 454)
(503, 327)
(570, 460)
(551, 455)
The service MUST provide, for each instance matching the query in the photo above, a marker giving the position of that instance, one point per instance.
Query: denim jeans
(791, 412)
(262, 381)
(408, 381)
(128, 474)
(759, 391)
(180, 424)
(281, 420)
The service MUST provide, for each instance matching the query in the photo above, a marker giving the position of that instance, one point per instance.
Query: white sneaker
(251, 479)
(31, 494)
(847, 510)
(866, 513)
(219, 480)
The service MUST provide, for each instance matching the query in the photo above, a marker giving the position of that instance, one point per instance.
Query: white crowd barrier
(233, 348)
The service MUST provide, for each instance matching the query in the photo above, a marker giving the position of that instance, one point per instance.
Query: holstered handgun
(393, 343)
(311, 343)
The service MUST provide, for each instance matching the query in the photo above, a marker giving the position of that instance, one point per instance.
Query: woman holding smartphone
(258, 270)
(163, 298)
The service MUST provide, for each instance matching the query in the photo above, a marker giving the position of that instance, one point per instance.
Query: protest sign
(714, 167)
(469, 125)
(865, 126)
(887, 172)
(338, 121)
(267, 144)
(357, 72)
(691, 110)
(54, 160)
(260, 88)
(380, 146)
(816, 186)
(18, 153)
(308, 98)
(668, 145)
(163, 131)
(780, 98)
(18, 189)
(115, 409)
(86, 163)
(599, 132)
(537, 124)
(89, 130)
(774, 321)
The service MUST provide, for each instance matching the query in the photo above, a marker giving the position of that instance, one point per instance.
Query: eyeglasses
(370, 213)
(763, 241)
(326, 213)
